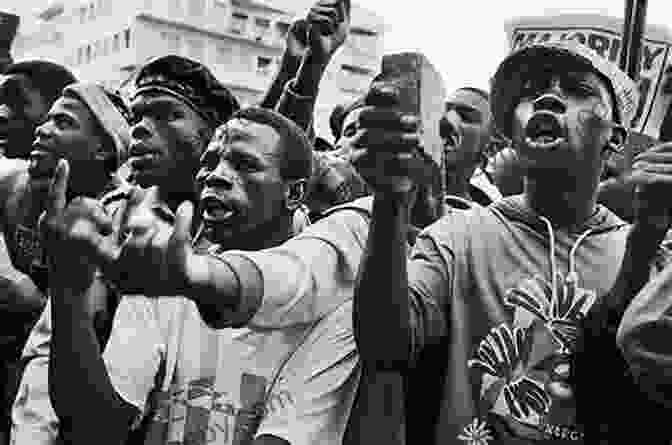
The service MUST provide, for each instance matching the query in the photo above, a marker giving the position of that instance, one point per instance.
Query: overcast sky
(465, 39)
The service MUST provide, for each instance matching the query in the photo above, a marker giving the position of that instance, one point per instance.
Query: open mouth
(450, 136)
(544, 131)
(216, 210)
(142, 157)
(42, 161)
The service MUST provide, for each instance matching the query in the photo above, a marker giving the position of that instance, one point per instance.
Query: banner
(603, 34)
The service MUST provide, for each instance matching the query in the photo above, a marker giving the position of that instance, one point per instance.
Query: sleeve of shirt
(430, 290)
(135, 350)
(306, 277)
(311, 402)
(643, 337)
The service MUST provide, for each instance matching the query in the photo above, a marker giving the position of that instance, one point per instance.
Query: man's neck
(268, 235)
(457, 183)
(566, 202)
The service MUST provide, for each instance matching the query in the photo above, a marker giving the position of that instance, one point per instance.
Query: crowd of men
(178, 269)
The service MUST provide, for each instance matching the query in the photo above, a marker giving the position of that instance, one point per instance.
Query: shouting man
(507, 285)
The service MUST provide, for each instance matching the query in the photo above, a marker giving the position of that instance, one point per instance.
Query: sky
(465, 39)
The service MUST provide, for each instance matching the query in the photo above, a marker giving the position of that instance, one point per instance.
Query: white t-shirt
(304, 377)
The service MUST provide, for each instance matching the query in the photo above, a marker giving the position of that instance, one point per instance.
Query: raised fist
(386, 149)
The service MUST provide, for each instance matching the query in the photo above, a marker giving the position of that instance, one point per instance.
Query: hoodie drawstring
(572, 276)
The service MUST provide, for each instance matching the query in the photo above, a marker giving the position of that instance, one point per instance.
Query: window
(238, 22)
(127, 38)
(363, 39)
(87, 57)
(196, 49)
(106, 46)
(98, 48)
(357, 70)
(172, 42)
(224, 55)
(261, 27)
(92, 11)
(82, 14)
(362, 32)
(196, 7)
(116, 43)
(80, 55)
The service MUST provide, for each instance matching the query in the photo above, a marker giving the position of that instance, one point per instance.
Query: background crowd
(481, 267)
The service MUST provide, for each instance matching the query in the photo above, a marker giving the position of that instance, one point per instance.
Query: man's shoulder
(362, 206)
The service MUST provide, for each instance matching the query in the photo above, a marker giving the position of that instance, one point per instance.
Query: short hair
(47, 77)
(297, 151)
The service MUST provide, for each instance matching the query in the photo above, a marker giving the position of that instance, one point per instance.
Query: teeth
(544, 142)
(218, 214)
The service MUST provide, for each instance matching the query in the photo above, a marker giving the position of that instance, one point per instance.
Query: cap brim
(507, 82)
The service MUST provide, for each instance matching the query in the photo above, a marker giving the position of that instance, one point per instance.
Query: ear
(295, 193)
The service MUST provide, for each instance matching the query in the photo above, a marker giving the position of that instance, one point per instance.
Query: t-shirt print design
(206, 415)
(523, 367)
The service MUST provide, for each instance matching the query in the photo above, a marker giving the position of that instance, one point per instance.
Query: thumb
(57, 190)
(183, 219)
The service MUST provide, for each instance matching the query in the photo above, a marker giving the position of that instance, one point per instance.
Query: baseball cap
(507, 81)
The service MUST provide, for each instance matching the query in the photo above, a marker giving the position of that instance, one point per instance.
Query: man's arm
(295, 283)
(76, 367)
(645, 323)
(319, 36)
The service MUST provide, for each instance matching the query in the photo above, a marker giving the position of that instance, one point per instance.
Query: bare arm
(381, 316)
(76, 367)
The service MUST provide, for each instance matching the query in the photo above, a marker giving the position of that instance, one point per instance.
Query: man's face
(348, 133)
(167, 140)
(465, 129)
(70, 132)
(561, 122)
(240, 181)
(22, 107)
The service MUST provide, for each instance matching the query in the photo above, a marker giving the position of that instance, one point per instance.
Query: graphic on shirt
(524, 366)
(476, 433)
(198, 414)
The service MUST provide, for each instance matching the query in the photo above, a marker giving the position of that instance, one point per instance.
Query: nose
(550, 102)
(44, 131)
(221, 177)
(141, 130)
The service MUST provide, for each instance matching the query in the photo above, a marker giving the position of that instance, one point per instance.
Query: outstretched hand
(156, 257)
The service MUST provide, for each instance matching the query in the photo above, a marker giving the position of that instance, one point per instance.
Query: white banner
(603, 34)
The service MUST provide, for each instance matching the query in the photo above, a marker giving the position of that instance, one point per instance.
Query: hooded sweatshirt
(503, 291)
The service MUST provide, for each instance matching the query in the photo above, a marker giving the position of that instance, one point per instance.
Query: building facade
(240, 40)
